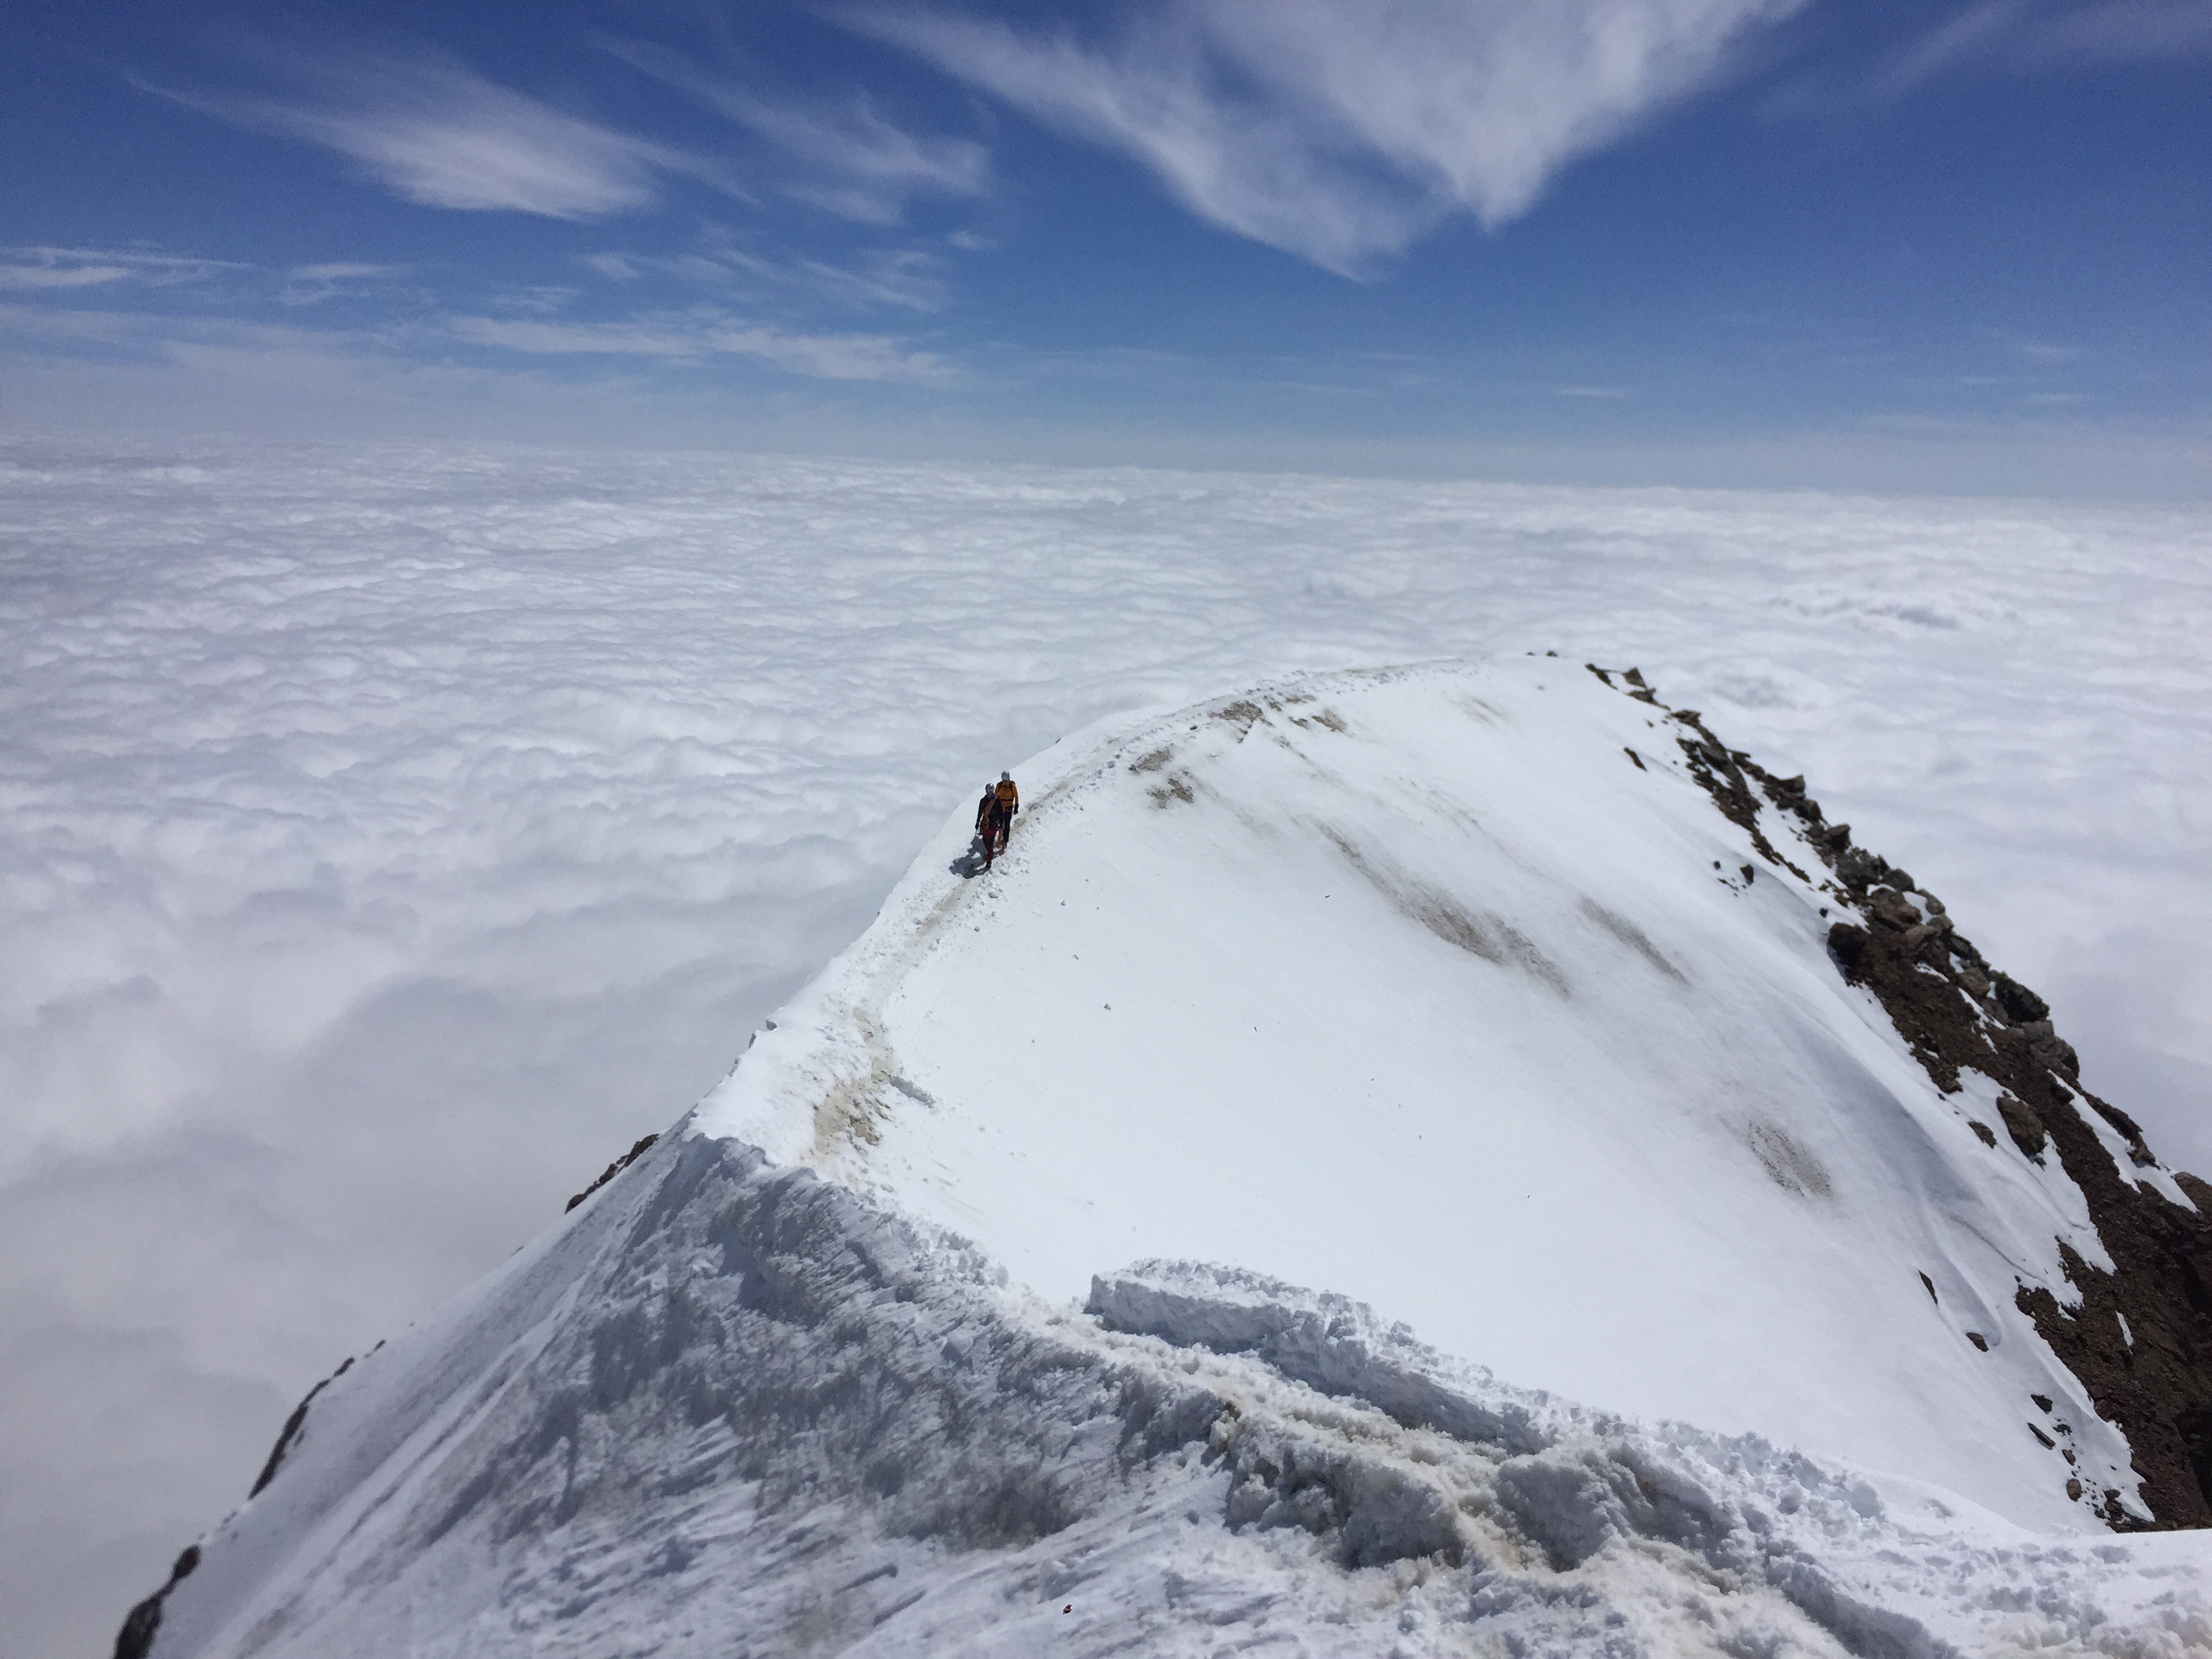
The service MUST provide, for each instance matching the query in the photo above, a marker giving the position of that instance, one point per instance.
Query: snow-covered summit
(1499, 999)
(1447, 988)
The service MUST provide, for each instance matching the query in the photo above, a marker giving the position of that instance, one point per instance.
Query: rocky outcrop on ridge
(2140, 1342)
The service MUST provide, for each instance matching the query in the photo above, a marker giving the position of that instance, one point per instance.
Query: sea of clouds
(392, 834)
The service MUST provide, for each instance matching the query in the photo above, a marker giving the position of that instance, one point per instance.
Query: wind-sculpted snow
(733, 1409)
(722, 1380)
(1448, 989)
(1330, 1341)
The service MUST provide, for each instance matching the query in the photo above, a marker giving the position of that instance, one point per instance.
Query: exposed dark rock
(615, 1169)
(1725, 775)
(2119, 1118)
(2025, 1127)
(293, 1424)
(2195, 1428)
(1927, 1013)
(1922, 934)
(136, 1639)
(2155, 1245)
(1847, 944)
(1982, 1133)
(1966, 1015)
(2020, 1003)
(1892, 908)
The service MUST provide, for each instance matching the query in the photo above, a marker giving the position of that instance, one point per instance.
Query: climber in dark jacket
(986, 823)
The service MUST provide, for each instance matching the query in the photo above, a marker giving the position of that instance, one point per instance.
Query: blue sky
(1958, 243)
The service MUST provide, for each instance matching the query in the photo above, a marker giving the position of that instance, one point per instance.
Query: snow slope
(1445, 988)
(1448, 989)
(734, 1410)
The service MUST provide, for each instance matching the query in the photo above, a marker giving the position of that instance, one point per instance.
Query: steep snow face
(732, 1409)
(1447, 988)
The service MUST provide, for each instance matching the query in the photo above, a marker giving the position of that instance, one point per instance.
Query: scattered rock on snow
(635, 1152)
(2159, 1389)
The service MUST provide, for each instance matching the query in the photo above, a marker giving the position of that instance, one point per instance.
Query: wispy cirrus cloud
(48, 275)
(698, 336)
(844, 157)
(434, 131)
(901, 278)
(308, 285)
(57, 270)
(32, 268)
(1342, 133)
(904, 278)
(2033, 34)
(2129, 31)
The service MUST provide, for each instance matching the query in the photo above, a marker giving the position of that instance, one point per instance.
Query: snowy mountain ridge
(1479, 937)
(738, 1409)
(1446, 988)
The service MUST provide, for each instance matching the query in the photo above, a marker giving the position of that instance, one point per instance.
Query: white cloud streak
(272, 356)
(1342, 133)
(695, 336)
(24, 268)
(2023, 34)
(60, 276)
(846, 158)
(306, 285)
(906, 279)
(434, 132)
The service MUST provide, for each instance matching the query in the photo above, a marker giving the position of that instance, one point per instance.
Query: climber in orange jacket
(1008, 800)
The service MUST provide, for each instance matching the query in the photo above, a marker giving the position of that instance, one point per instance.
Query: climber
(986, 823)
(1009, 800)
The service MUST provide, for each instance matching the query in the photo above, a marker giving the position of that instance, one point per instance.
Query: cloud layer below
(393, 834)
